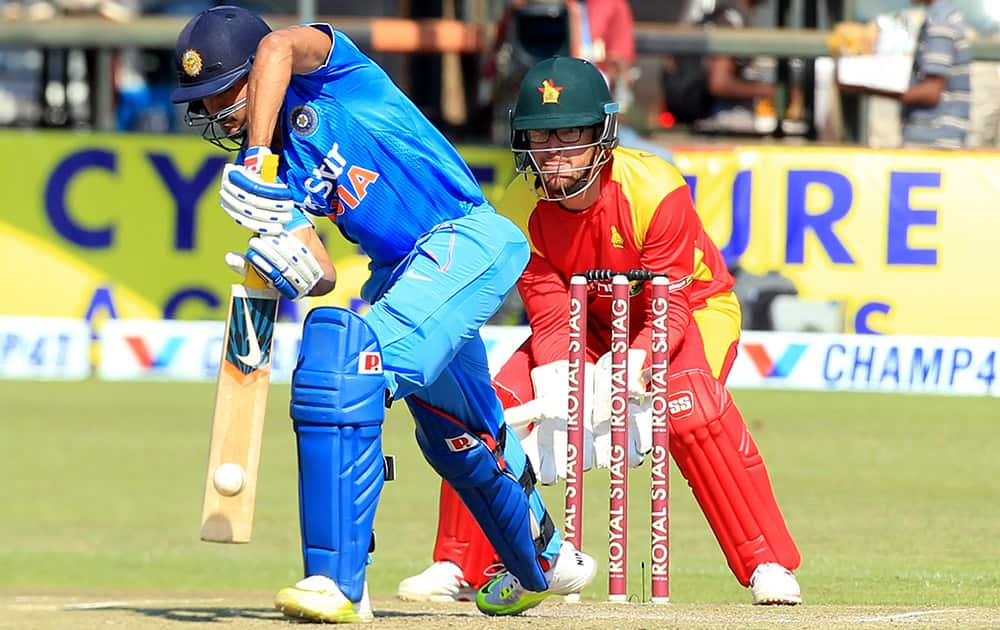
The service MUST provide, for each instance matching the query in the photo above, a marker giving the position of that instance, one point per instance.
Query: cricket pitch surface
(252, 611)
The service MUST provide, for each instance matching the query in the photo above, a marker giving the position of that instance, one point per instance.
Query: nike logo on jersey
(413, 275)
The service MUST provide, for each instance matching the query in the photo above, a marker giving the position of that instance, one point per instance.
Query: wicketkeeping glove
(640, 435)
(636, 381)
(640, 413)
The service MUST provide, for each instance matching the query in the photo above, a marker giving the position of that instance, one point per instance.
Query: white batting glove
(260, 206)
(544, 438)
(283, 260)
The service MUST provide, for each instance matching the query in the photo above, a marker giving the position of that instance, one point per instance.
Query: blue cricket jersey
(357, 150)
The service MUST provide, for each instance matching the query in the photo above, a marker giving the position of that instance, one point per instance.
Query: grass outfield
(892, 499)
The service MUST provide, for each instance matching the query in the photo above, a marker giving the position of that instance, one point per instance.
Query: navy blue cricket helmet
(215, 50)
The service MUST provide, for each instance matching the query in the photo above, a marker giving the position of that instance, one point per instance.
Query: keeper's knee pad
(500, 493)
(719, 459)
(337, 409)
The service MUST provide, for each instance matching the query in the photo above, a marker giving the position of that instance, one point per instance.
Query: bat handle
(269, 173)
(269, 168)
(254, 280)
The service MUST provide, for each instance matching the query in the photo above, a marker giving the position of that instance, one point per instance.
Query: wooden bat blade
(238, 421)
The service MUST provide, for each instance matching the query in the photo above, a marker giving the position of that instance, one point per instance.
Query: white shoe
(773, 584)
(440, 582)
(569, 573)
(317, 598)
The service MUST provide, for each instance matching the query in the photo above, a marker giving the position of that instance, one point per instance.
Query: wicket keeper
(356, 151)
(586, 203)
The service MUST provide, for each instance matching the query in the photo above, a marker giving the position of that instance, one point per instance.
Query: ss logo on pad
(681, 404)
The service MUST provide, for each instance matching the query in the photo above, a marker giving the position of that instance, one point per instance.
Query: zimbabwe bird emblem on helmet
(191, 62)
(550, 92)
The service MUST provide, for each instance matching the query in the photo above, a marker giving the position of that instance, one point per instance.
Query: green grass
(892, 499)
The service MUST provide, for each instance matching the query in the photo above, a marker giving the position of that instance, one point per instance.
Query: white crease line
(140, 602)
(94, 605)
(916, 613)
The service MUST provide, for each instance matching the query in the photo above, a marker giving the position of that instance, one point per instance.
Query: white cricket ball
(229, 479)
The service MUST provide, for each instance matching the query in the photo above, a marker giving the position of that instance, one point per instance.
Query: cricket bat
(240, 403)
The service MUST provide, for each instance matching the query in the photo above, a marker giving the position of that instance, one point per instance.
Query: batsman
(586, 203)
(354, 150)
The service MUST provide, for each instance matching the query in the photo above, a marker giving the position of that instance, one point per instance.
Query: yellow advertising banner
(100, 225)
(904, 239)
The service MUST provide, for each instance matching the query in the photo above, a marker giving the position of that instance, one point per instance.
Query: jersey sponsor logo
(303, 120)
(327, 194)
(369, 363)
(191, 62)
(550, 92)
(460, 443)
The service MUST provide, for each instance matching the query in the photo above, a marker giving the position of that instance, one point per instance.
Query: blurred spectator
(607, 38)
(529, 31)
(936, 107)
(734, 85)
(37, 10)
(733, 94)
(936, 102)
(526, 32)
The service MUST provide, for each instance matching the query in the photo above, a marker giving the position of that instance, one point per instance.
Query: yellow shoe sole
(299, 604)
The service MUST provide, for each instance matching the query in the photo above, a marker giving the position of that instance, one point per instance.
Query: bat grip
(269, 173)
(254, 280)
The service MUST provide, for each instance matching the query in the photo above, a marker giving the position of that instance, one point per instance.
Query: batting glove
(260, 206)
(541, 422)
(283, 261)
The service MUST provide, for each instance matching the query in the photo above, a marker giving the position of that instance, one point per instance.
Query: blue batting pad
(337, 408)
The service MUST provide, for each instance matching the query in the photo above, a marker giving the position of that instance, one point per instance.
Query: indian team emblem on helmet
(550, 92)
(191, 62)
(303, 120)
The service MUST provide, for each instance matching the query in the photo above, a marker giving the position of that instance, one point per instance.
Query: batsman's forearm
(269, 78)
(311, 240)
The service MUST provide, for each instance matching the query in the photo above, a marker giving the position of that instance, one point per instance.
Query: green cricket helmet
(563, 93)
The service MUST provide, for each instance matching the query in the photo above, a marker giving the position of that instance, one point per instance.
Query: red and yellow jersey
(643, 219)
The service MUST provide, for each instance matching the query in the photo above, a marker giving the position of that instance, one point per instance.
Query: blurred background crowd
(790, 71)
